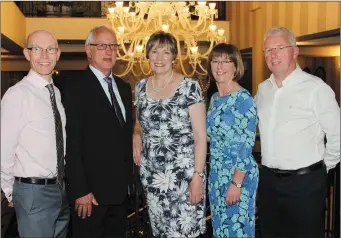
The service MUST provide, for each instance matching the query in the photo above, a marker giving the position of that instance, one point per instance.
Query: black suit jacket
(98, 149)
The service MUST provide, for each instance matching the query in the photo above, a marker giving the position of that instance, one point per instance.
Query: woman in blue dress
(231, 127)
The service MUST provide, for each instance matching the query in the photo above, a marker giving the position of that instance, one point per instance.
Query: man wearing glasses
(98, 108)
(33, 143)
(296, 111)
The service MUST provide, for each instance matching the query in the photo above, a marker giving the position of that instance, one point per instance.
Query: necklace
(227, 92)
(162, 88)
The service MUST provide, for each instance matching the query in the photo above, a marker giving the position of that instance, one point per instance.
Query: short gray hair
(93, 31)
(279, 30)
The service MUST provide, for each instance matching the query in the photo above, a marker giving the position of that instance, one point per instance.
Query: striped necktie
(114, 101)
(59, 136)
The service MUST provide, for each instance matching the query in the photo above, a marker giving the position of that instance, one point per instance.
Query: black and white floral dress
(168, 160)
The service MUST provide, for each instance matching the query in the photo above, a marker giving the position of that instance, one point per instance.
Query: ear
(296, 51)
(88, 51)
(27, 54)
(58, 54)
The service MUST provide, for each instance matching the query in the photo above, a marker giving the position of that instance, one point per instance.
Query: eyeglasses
(38, 50)
(105, 46)
(222, 62)
(278, 49)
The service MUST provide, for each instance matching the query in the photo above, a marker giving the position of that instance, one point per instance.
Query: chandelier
(135, 22)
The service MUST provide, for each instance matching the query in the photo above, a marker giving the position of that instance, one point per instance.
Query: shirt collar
(36, 80)
(290, 79)
(100, 76)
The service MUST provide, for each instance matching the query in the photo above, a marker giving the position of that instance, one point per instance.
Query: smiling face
(160, 59)
(42, 63)
(223, 68)
(103, 60)
(281, 62)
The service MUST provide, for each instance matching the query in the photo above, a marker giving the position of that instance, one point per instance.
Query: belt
(306, 170)
(41, 181)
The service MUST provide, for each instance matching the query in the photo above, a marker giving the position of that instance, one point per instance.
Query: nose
(108, 51)
(44, 54)
(219, 65)
(159, 56)
(274, 53)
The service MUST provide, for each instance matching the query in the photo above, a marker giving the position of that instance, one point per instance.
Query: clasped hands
(83, 205)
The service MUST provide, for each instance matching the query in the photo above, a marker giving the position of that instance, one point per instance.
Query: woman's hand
(137, 148)
(196, 189)
(233, 195)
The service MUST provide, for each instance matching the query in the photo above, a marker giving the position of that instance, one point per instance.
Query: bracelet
(201, 174)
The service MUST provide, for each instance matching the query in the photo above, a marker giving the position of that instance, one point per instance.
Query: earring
(173, 61)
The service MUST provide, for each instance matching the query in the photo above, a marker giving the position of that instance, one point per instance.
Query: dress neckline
(228, 95)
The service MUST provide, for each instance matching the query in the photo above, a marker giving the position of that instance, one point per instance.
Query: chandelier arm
(142, 69)
(202, 68)
(205, 55)
(190, 75)
(130, 64)
(134, 73)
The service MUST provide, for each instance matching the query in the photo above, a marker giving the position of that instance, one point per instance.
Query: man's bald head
(38, 33)
(42, 52)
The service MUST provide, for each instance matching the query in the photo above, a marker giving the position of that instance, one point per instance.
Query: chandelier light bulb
(165, 27)
(221, 32)
(120, 29)
(212, 5)
(213, 28)
(194, 49)
(119, 3)
(111, 10)
(139, 48)
(202, 3)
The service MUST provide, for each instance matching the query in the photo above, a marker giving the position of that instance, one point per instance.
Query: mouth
(44, 63)
(275, 62)
(220, 73)
(159, 65)
(108, 60)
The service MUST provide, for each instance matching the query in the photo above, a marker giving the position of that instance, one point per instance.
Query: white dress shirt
(294, 119)
(28, 137)
(100, 76)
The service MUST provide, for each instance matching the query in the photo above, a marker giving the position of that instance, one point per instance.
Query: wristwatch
(238, 185)
(201, 174)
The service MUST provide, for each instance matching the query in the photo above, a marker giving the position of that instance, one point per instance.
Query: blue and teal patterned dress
(231, 126)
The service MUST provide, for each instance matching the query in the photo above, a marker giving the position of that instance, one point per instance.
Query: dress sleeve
(247, 117)
(194, 94)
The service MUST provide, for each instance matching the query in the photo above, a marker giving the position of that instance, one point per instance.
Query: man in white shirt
(33, 143)
(296, 111)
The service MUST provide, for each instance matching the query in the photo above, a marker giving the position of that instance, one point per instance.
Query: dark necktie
(59, 136)
(114, 101)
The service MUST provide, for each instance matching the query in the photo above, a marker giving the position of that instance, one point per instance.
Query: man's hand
(11, 204)
(196, 190)
(84, 205)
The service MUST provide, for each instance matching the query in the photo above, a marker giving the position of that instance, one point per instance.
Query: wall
(250, 20)
(13, 24)
(331, 66)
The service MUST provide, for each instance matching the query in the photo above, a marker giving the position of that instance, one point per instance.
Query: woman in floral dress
(170, 132)
(231, 127)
